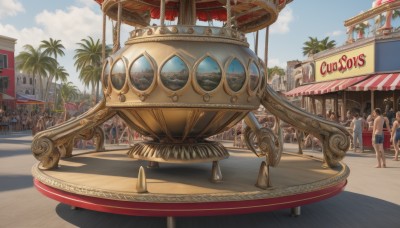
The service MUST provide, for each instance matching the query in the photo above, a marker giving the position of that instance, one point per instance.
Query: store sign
(356, 62)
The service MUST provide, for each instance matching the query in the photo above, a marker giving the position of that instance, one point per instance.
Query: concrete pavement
(371, 199)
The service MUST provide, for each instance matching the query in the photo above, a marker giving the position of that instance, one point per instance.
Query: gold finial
(141, 184)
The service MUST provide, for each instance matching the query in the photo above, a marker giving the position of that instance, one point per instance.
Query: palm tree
(68, 93)
(360, 29)
(275, 70)
(396, 14)
(34, 61)
(326, 44)
(52, 48)
(88, 60)
(311, 46)
(59, 74)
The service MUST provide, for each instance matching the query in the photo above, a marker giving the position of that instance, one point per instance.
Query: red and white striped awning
(325, 87)
(298, 91)
(383, 82)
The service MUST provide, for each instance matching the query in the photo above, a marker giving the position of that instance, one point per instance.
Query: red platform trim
(188, 209)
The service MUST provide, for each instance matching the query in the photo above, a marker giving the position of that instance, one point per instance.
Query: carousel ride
(178, 85)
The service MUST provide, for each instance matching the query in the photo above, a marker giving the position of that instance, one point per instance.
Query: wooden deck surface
(371, 199)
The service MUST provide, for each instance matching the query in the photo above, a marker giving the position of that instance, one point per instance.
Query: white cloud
(336, 33)
(24, 36)
(281, 26)
(10, 8)
(72, 25)
(276, 62)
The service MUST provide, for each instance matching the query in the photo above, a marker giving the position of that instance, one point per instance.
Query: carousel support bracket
(335, 139)
(46, 145)
(295, 211)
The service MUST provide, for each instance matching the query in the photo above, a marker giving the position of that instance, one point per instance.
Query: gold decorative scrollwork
(264, 141)
(335, 138)
(49, 145)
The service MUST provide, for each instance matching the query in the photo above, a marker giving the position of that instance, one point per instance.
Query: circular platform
(106, 181)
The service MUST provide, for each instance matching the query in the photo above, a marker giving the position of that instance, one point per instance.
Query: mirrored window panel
(254, 76)
(141, 74)
(263, 78)
(106, 74)
(208, 74)
(236, 75)
(118, 74)
(174, 74)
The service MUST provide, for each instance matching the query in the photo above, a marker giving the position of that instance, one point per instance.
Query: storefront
(360, 76)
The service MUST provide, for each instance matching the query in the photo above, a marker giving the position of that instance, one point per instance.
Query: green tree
(313, 45)
(361, 29)
(35, 62)
(60, 74)
(275, 70)
(68, 92)
(326, 44)
(88, 61)
(53, 48)
(396, 14)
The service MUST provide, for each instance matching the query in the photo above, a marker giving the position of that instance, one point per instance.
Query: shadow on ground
(15, 182)
(345, 210)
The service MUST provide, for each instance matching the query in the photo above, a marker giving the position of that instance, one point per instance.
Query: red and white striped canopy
(383, 82)
(325, 87)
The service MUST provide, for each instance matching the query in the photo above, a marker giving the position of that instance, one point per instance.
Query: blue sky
(31, 21)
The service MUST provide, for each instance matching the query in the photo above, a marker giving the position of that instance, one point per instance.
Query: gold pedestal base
(179, 152)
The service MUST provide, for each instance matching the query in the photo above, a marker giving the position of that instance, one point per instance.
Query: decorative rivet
(149, 32)
(208, 31)
(122, 98)
(142, 97)
(190, 30)
(174, 30)
(234, 99)
(175, 98)
(206, 97)
(162, 30)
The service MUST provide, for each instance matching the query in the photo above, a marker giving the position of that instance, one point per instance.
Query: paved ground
(371, 199)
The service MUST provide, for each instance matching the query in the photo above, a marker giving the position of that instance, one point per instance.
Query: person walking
(378, 138)
(357, 126)
(395, 136)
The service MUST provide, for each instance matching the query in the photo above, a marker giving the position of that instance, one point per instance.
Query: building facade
(7, 73)
(361, 75)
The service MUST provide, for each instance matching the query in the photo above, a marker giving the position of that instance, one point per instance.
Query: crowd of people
(23, 120)
(116, 131)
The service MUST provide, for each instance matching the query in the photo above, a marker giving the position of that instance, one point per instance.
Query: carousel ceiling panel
(250, 15)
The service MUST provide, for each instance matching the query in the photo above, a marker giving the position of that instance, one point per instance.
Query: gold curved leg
(334, 138)
(46, 145)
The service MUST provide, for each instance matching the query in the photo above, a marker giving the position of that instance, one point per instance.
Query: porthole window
(118, 75)
(208, 74)
(141, 74)
(106, 74)
(254, 76)
(174, 74)
(236, 75)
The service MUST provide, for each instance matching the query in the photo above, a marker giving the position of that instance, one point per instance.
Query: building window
(26, 91)
(3, 83)
(3, 62)
(30, 81)
(24, 80)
